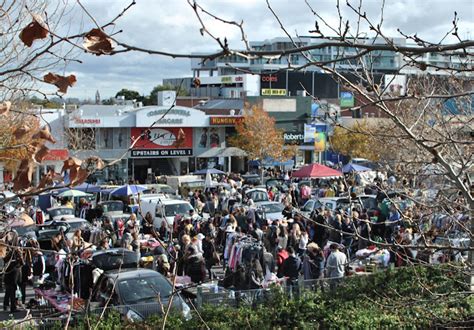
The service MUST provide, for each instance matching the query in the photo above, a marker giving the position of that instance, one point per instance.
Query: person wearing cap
(335, 265)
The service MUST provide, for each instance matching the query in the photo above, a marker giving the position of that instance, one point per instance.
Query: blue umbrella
(348, 168)
(128, 189)
(87, 187)
(208, 170)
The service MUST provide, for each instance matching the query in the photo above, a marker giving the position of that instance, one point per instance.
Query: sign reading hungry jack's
(224, 120)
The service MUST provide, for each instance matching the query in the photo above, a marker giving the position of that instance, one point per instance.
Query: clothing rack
(243, 250)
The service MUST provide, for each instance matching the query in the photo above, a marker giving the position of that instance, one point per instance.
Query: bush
(417, 297)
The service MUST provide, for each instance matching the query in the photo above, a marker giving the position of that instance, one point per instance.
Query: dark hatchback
(136, 293)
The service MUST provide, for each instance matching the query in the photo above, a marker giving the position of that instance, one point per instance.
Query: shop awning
(223, 152)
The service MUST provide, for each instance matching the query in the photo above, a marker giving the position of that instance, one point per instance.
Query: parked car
(331, 203)
(58, 213)
(112, 207)
(251, 179)
(280, 184)
(256, 195)
(270, 211)
(162, 208)
(159, 188)
(136, 293)
(45, 232)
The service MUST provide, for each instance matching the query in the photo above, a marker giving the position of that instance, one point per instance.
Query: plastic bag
(18, 294)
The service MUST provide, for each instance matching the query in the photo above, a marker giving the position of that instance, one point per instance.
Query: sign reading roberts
(293, 137)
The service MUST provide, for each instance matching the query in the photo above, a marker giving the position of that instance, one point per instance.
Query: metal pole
(133, 168)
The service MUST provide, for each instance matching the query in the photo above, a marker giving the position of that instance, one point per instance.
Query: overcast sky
(170, 25)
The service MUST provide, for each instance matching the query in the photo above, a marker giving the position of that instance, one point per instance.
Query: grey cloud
(172, 26)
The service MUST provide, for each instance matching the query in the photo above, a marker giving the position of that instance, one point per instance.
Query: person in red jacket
(281, 256)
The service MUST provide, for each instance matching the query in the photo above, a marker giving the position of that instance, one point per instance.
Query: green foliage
(153, 97)
(417, 297)
(47, 104)
(129, 94)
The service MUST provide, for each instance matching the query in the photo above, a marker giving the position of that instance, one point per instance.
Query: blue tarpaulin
(348, 168)
(271, 162)
(209, 170)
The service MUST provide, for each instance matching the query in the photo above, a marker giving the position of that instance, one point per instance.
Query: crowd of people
(251, 251)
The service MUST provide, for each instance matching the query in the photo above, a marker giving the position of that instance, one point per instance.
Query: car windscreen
(172, 210)
(343, 204)
(113, 206)
(273, 208)
(24, 230)
(166, 190)
(115, 259)
(60, 212)
(257, 196)
(145, 289)
(77, 225)
(369, 202)
(308, 207)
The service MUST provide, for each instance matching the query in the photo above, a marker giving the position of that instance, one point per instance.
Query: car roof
(256, 189)
(59, 222)
(59, 207)
(174, 201)
(267, 203)
(153, 196)
(327, 199)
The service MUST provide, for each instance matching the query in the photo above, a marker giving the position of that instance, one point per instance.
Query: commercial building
(378, 61)
(162, 139)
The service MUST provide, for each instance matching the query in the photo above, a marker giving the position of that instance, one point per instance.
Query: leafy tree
(258, 136)
(153, 97)
(356, 141)
(129, 94)
(108, 101)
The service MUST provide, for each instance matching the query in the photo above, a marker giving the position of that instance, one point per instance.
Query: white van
(163, 208)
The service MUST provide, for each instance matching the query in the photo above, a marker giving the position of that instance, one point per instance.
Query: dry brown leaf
(71, 163)
(5, 107)
(24, 175)
(33, 147)
(61, 82)
(99, 163)
(35, 30)
(40, 153)
(21, 132)
(44, 134)
(97, 42)
(180, 139)
(46, 180)
(80, 177)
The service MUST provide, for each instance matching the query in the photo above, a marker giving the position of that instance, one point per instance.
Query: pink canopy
(315, 171)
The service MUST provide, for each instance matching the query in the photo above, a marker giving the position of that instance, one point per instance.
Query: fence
(207, 294)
